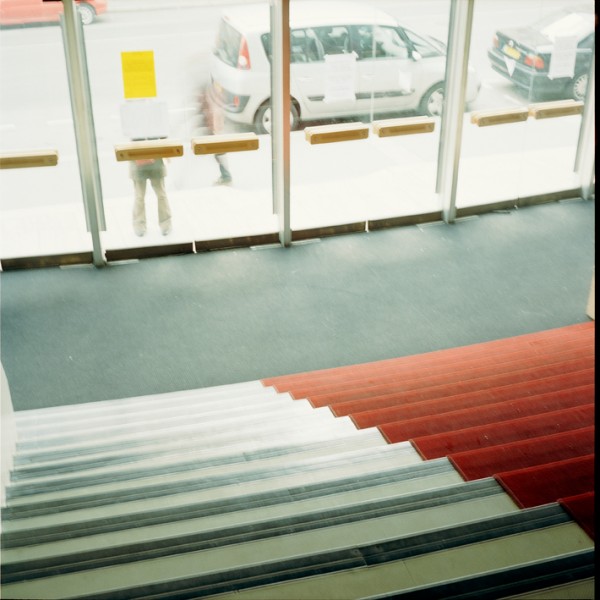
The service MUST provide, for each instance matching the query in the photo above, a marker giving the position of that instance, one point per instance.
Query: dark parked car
(524, 54)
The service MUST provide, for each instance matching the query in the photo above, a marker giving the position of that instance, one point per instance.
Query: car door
(20, 11)
(323, 72)
(386, 70)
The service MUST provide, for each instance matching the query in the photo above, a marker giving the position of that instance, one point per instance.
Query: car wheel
(432, 101)
(262, 119)
(578, 87)
(86, 13)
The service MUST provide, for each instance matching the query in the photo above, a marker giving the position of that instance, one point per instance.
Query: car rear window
(227, 45)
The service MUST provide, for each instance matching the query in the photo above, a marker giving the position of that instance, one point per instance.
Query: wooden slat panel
(219, 144)
(325, 134)
(485, 118)
(561, 108)
(405, 126)
(148, 149)
(30, 158)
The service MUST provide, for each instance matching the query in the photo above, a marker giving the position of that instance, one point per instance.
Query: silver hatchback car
(347, 59)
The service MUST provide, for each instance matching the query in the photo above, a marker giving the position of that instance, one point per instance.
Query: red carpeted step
(534, 486)
(504, 432)
(446, 367)
(543, 338)
(581, 508)
(406, 429)
(451, 383)
(445, 364)
(445, 398)
(445, 404)
(485, 462)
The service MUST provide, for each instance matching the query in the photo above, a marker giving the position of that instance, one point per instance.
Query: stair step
(396, 431)
(567, 576)
(503, 391)
(479, 543)
(69, 461)
(68, 436)
(477, 369)
(533, 486)
(106, 531)
(58, 507)
(542, 340)
(370, 418)
(485, 462)
(503, 432)
(240, 505)
(107, 407)
(534, 377)
(261, 401)
(169, 467)
(419, 508)
(210, 438)
(192, 458)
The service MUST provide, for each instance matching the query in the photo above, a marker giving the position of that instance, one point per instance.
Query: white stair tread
(208, 394)
(317, 470)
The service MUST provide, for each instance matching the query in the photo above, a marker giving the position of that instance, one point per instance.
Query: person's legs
(164, 210)
(224, 168)
(139, 207)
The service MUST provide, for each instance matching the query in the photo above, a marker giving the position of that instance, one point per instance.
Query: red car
(19, 12)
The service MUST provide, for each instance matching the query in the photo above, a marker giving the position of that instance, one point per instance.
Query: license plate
(512, 52)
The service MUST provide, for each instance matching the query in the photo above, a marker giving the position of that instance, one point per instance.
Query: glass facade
(179, 72)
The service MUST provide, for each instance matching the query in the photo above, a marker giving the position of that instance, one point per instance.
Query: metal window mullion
(81, 106)
(585, 159)
(457, 67)
(280, 111)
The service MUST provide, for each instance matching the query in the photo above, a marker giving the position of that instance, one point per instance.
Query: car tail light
(535, 61)
(243, 55)
(496, 41)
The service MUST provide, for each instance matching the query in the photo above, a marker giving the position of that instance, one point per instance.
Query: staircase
(461, 473)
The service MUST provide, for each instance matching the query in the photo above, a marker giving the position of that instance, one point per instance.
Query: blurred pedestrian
(154, 170)
(212, 122)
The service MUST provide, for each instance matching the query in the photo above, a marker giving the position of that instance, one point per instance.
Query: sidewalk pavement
(143, 5)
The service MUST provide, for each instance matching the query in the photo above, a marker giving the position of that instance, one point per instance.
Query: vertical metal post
(81, 106)
(457, 65)
(585, 159)
(280, 111)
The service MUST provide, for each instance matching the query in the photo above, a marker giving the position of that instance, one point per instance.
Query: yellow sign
(139, 79)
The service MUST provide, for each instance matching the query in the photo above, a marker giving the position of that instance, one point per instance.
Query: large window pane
(41, 209)
(377, 61)
(198, 65)
(528, 52)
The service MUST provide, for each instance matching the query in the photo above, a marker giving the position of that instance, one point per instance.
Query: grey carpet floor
(80, 334)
